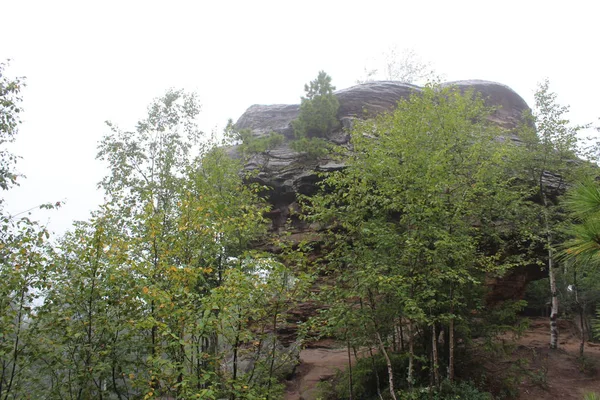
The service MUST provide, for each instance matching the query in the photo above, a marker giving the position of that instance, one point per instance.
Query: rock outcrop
(287, 173)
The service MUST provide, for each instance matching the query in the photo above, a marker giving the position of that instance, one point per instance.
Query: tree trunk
(15, 355)
(551, 274)
(554, 311)
(376, 374)
(580, 309)
(273, 350)
(349, 365)
(388, 361)
(411, 355)
(434, 355)
(451, 340)
(389, 365)
(236, 346)
(401, 334)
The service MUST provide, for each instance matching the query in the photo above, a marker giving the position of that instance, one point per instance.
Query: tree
(411, 221)
(317, 118)
(318, 110)
(189, 219)
(24, 257)
(548, 159)
(134, 302)
(583, 201)
(582, 249)
(87, 344)
(10, 110)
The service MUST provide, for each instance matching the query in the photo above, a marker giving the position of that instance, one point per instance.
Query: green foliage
(10, 110)
(415, 220)
(262, 144)
(318, 110)
(367, 370)
(86, 326)
(537, 296)
(317, 118)
(583, 200)
(448, 391)
(312, 148)
(365, 374)
(591, 396)
(159, 293)
(588, 365)
(26, 257)
(547, 165)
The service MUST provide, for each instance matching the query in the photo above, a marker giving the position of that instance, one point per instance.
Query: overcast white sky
(91, 61)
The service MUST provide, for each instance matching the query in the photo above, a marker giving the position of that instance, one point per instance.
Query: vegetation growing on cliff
(250, 144)
(318, 110)
(317, 118)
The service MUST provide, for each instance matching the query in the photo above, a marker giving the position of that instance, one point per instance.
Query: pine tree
(318, 110)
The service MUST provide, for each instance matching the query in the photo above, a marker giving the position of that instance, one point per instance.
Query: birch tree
(550, 165)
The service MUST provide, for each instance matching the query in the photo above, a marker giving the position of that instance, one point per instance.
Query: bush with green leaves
(368, 371)
(312, 147)
(252, 144)
(448, 391)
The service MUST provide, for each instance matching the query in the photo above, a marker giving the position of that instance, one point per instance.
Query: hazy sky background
(91, 61)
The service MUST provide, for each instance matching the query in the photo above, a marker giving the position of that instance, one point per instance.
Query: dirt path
(557, 374)
(546, 374)
(318, 363)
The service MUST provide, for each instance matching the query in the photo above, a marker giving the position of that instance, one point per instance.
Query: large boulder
(509, 105)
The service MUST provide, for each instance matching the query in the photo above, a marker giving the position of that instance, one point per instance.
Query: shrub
(448, 391)
(312, 148)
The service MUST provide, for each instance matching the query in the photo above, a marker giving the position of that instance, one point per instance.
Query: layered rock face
(287, 173)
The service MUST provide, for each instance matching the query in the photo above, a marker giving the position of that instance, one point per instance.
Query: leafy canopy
(415, 220)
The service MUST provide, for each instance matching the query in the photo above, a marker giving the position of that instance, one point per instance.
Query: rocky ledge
(287, 173)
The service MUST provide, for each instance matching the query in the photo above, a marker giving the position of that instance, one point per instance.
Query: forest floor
(538, 372)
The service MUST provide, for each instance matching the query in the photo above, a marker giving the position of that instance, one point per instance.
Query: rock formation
(287, 173)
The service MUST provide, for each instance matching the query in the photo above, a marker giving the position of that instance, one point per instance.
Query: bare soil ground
(318, 363)
(542, 374)
(557, 374)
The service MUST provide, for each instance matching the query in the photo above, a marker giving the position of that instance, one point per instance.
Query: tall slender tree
(550, 165)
